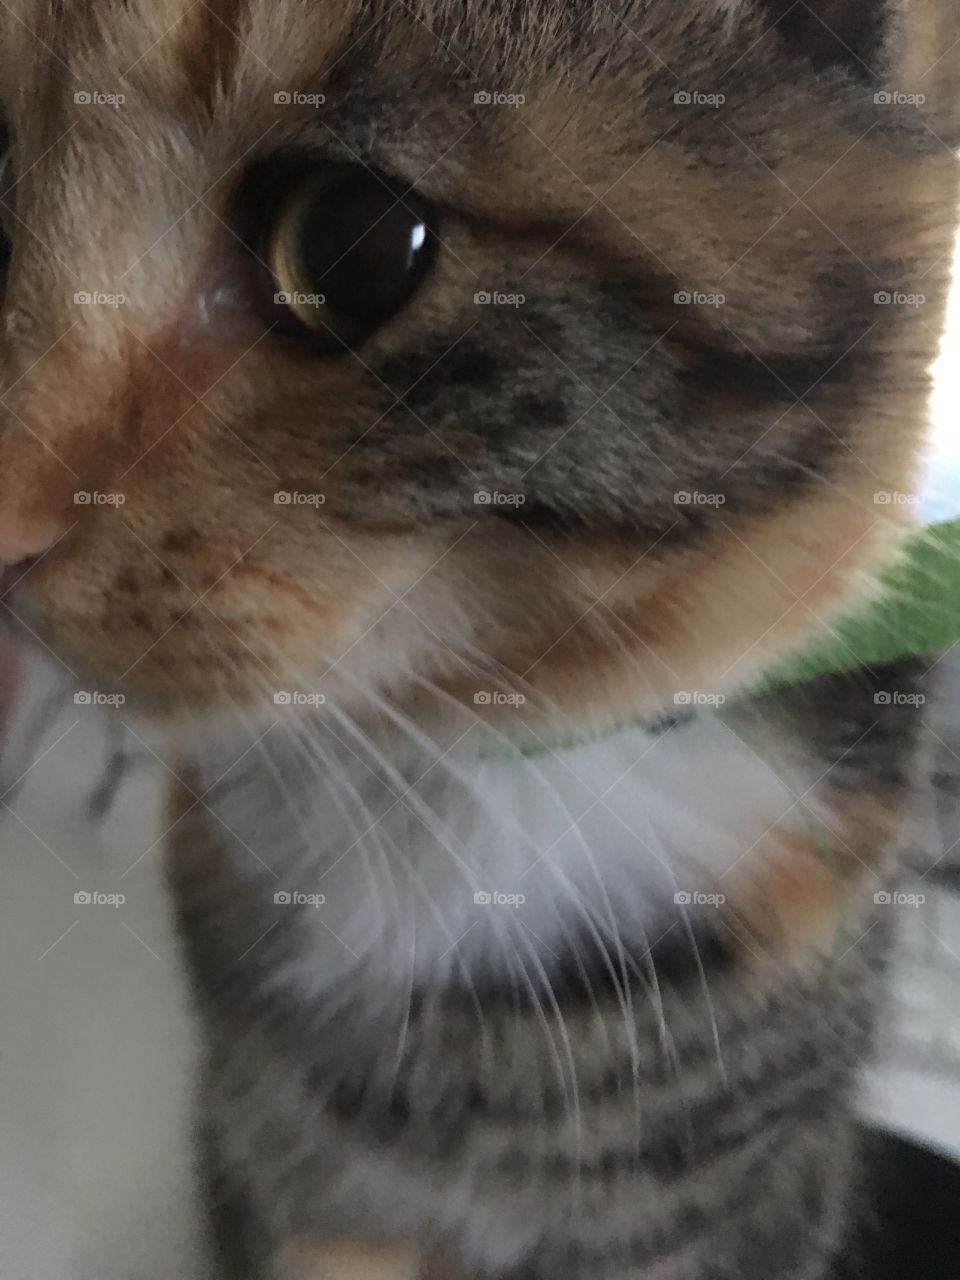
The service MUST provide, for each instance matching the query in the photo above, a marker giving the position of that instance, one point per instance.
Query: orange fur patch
(347, 1261)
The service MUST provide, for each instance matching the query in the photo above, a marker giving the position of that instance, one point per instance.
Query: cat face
(591, 374)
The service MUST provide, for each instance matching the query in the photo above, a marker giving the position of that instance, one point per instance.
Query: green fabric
(916, 612)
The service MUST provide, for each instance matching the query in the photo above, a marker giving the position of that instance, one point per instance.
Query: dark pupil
(361, 247)
(348, 252)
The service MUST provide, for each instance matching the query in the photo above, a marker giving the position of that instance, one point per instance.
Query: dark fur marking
(833, 32)
(182, 540)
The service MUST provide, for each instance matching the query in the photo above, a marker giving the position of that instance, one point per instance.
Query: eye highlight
(344, 252)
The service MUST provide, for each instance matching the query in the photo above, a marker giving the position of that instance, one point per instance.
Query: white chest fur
(416, 869)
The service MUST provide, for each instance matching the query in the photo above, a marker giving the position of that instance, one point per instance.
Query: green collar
(916, 612)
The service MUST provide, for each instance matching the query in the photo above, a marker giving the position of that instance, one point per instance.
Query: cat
(436, 418)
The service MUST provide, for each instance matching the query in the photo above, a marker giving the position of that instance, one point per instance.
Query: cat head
(572, 348)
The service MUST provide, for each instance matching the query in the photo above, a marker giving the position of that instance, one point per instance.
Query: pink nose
(22, 540)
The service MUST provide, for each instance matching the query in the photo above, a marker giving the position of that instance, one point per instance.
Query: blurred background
(917, 1086)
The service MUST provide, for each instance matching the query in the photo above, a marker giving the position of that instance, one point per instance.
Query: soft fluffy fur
(704, 1058)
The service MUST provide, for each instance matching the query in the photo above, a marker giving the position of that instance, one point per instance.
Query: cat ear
(849, 33)
(925, 61)
(907, 47)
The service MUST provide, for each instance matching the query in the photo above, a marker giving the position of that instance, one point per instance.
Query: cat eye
(345, 250)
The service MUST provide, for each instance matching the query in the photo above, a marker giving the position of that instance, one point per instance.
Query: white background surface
(97, 1052)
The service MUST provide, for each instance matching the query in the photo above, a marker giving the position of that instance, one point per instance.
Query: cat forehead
(395, 77)
(242, 43)
(162, 44)
(120, 36)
